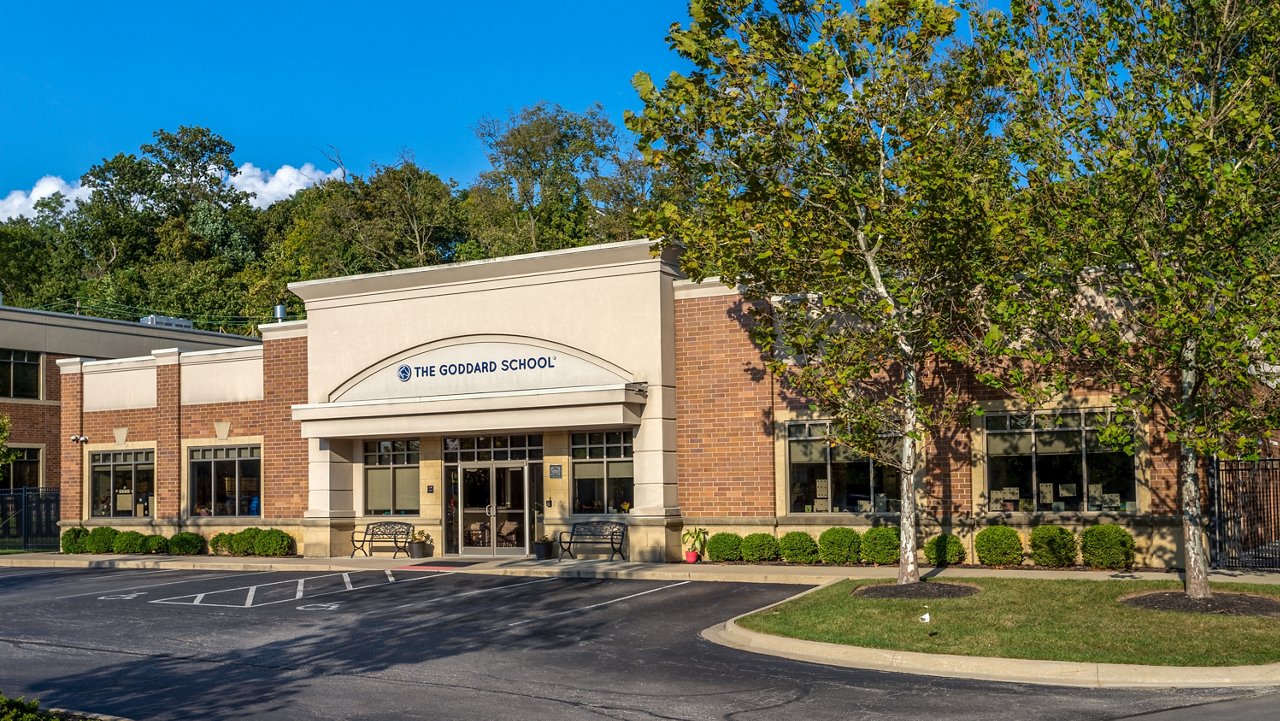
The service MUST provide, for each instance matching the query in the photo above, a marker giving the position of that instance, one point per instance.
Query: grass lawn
(1035, 619)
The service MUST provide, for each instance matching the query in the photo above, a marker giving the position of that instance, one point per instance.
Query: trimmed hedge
(73, 540)
(839, 546)
(156, 544)
(220, 544)
(759, 547)
(724, 547)
(1107, 546)
(799, 547)
(186, 544)
(273, 543)
(244, 542)
(100, 540)
(998, 546)
(1053, 546)
(881, 546)
(129, 542)
(20, 709)
(944, 550)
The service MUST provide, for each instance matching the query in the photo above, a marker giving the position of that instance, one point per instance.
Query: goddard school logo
(404, 373)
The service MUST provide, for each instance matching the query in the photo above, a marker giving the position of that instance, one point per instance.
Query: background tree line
(165, 231)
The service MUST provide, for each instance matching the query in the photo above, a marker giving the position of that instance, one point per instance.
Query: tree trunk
(908, 566)
(1193, 546)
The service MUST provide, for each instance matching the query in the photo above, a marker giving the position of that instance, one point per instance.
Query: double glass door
(494, 503)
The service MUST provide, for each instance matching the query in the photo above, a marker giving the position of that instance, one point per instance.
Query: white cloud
(267, 185)
(21, 202)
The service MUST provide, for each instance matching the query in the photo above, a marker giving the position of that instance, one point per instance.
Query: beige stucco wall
(606, 312)
(222, 376)
(120, 385)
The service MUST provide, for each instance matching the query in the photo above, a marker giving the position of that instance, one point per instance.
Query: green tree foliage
(559, 179)
(839, 166)
(7, 454)
(1146, 131)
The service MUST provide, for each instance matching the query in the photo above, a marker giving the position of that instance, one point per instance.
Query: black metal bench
(595, 532)
(397, 533)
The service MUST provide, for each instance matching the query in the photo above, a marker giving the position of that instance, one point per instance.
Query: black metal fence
(29, 519)
(1246, 514)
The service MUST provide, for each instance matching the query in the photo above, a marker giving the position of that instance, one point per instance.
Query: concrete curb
(985, 668)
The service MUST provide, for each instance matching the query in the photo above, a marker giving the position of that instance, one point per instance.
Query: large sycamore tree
(1147, 134)
(836, 164)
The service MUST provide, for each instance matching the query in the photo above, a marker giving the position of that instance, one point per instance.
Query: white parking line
(594, 605)
(170, 583)
(298, 594)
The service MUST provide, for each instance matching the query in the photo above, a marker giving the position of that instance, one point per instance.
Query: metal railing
(1246, 514)
(29, 519)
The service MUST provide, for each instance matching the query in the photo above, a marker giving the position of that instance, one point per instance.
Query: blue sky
(82, 81)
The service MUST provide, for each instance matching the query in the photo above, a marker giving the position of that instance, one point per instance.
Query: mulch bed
(924, 589)
(1227, 604)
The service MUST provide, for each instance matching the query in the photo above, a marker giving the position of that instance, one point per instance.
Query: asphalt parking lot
(438, 643)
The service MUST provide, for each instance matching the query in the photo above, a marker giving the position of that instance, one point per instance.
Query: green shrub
(243, 543)
(944, 550)
(220, 544)
(880, 545)
(129, 542)
(100, 540)
(20, 709)
(274, 543)
(799, 547)
(998, 546)
(839, 546)
(186, 544)
(1053, 546)
(760, 547)
(1107, 546)
(73, 540)
(724, 547)
(157, 544)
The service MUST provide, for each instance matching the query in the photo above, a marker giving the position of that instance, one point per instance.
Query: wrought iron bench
(396, 532)
(595, 532)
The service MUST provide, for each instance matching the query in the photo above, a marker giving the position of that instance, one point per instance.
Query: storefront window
(1053, 461)
(226, 481)
(391, 478)
(23, 472)
(827, 479)
(603, 472)
(19, 374)
(122, 483)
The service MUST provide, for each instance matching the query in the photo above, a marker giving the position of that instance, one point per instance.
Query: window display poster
(1067, 490)
(1095, 493)
(1046, 492)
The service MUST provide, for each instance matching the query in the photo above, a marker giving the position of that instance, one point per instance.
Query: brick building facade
(493, 402)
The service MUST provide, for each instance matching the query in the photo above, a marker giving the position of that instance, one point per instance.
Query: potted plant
(420, 544)
(697, 540)
(543, 547)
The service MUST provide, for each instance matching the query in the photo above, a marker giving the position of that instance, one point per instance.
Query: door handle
(488, 510)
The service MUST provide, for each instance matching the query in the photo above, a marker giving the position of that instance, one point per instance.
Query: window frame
(9, 364)
(391, 455)
(1035, 424)
(7, 474)
(219, 453)
(584, 451)
(800, 430)
(112, 459)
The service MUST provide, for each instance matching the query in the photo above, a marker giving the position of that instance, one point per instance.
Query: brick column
(72, 480)
(284, 453)
(168, 499)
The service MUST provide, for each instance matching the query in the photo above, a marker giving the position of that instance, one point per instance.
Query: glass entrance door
(494, 508)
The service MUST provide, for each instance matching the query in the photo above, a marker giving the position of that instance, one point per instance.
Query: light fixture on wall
(79, 439)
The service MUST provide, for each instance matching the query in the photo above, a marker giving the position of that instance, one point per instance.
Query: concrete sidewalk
(590, 568)
(732, 635)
